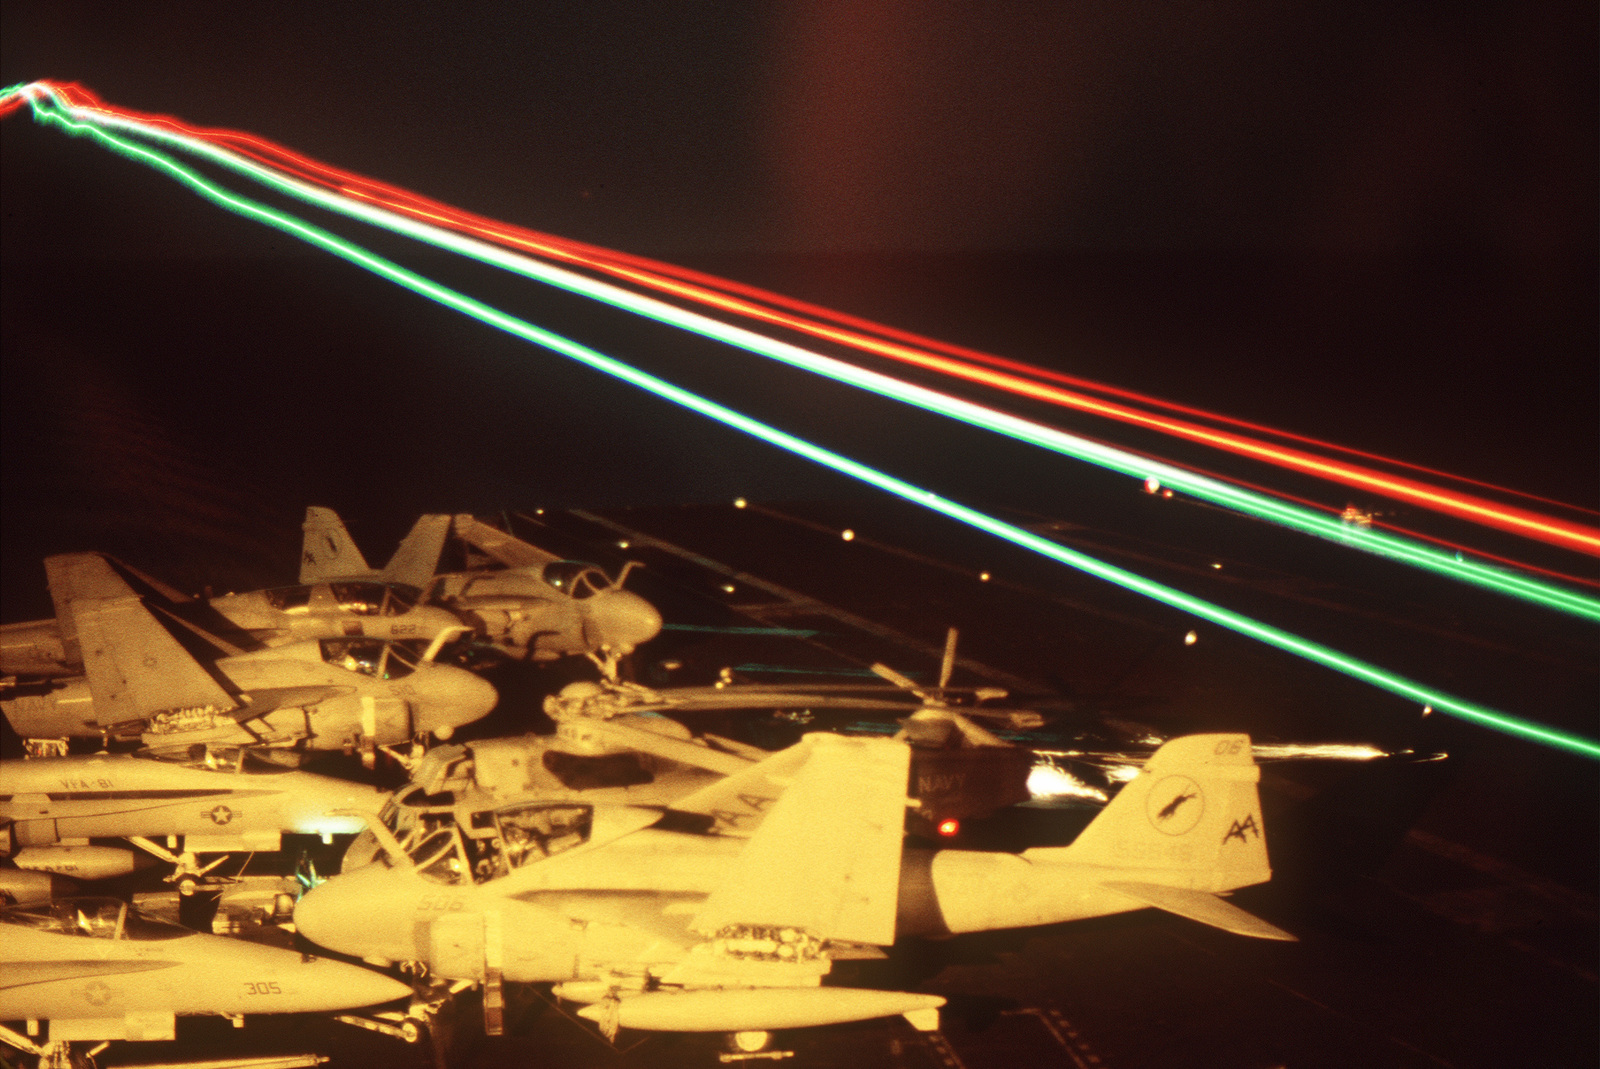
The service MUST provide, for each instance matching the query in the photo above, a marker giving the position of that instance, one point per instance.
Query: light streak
(1048, 781)
(1215, 491)
(490, 316)
(681, 283)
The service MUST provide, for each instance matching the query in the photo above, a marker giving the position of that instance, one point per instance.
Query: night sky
(687, 128)
(1371, 222)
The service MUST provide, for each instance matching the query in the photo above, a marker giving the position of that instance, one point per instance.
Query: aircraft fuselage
(114, 796)
(308, 691)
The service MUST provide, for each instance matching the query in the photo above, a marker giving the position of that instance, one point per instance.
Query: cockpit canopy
(370, 656)
(500, 841)
(576, 578)
(226, 759)
(92, 918)
(360, 598)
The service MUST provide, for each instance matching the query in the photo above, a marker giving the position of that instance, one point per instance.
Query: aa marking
(1242, 829)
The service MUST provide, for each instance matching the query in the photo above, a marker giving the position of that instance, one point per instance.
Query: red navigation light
(949, 827)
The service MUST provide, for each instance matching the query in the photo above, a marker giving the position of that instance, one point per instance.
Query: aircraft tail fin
(1191, 819)
(327, 551)
(417, 559)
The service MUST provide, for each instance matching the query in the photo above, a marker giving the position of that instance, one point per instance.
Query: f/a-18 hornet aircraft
(217, 801)
(96, 969)
(532, 605)
(724, 912)
(151, 674)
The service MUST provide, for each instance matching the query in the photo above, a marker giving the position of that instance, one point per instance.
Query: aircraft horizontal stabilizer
(1200, 906)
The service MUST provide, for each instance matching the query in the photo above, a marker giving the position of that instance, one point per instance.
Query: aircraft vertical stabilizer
(327, 551)
(415, 562)
(827, 857)
(1191, 818)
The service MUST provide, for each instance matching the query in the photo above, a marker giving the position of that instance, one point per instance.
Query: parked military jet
(150, 674)
(692, 918)
(96, 969)
(217, 801)
(531, 606)
(42, 649)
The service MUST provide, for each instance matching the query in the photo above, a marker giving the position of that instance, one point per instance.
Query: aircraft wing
(497, 545)
(134, 665)
(840, 822)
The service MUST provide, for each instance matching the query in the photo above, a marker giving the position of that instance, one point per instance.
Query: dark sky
(867, 125)
(1371, 222)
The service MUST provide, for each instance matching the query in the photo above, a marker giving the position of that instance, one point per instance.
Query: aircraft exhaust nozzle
(757, 1009)
(620, 620)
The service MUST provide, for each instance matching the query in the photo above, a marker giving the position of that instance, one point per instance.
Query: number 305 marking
(265, 987)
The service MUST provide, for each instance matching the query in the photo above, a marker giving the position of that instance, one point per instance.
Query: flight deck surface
(1445, 909)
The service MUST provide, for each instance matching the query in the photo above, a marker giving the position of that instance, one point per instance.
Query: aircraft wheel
(410, 1031)
(749, 1042)
(187, 885)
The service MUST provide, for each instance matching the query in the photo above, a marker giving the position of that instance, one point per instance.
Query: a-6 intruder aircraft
(151, 675)
(532, 606)
(40, 649)
(219, 802)
(724, 912)
(96, 969)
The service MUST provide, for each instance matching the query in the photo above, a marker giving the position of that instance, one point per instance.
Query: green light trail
(1215, 491)
(520, 328)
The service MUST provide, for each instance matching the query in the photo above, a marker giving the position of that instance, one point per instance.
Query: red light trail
(1017, 378)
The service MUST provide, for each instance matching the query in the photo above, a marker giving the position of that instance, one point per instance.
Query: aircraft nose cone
(336, 915)
(346, 986)
(449, 697)
(364, 913)
(622, 619)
